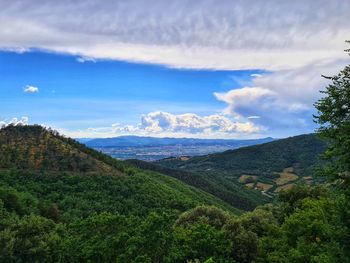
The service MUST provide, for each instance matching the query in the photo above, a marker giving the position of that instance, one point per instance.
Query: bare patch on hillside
(263, 187)
(286, 176)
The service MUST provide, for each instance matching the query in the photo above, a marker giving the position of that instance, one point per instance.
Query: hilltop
(37, 148)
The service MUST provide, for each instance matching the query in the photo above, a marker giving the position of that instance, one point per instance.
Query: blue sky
(77, 95)
(228, 69)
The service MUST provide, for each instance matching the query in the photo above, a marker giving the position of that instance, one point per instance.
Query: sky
(199, 68)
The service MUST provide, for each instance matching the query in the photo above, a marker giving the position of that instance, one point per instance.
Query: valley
(152, 149)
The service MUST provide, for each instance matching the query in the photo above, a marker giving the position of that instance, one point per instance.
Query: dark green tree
(334, 119)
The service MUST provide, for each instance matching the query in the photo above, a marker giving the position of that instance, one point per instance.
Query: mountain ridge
(132, 140)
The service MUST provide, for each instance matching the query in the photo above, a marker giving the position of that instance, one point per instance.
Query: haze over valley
(151, 148)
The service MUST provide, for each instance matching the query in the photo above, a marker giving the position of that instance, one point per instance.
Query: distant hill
(268, 167)
(133, 141)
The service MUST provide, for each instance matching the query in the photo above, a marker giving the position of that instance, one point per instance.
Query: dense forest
(84, 218)
(63, 202)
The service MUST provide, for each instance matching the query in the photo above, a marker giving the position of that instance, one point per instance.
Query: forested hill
(230, 192)
(273, 164)
(301, 151)
(37, 148)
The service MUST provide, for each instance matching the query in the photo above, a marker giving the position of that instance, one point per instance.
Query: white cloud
(225, 34)
(31, 89)
(156, 122)
(14, 121)
(246, 97)
(283, 99)
(161, 124)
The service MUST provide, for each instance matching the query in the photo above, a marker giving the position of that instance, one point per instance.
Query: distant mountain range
(135, 141)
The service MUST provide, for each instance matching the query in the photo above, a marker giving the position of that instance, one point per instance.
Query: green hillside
(269, 167)
(228, 191)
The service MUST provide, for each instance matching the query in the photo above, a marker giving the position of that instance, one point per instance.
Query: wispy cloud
(225, 34)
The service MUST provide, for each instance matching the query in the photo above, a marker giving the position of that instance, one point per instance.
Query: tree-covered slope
(286, 158)
(228, 191)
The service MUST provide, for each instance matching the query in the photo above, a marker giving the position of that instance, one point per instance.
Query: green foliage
(31, 238)
(334, 119)
(81, 218)
(313, 232)
(211, 215)
(201, 241)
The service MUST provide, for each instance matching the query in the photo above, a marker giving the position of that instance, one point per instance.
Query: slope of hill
(228, 191)
(269, 167)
